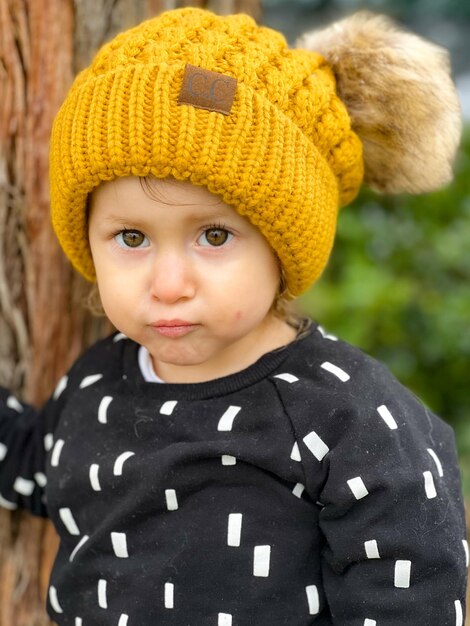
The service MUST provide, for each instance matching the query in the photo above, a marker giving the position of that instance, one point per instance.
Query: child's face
(183, 274)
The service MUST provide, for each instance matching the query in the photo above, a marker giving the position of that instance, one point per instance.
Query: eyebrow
(218, 209)
(209, 214)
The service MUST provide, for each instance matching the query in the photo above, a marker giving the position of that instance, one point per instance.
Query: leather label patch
(208, 90)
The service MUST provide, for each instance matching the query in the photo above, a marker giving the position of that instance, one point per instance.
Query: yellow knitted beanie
(160, 100)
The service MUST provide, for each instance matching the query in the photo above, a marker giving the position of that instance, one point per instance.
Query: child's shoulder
(104, 358)
(319, 351)
(336, 376)
(340, 393)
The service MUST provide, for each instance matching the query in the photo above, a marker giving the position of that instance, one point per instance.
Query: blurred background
(397, 285)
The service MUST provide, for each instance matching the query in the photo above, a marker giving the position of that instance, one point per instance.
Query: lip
(173, 328)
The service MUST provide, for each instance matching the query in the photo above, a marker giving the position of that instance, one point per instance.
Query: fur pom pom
(401, 98)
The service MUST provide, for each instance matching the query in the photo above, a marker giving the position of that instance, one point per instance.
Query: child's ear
(401, 99)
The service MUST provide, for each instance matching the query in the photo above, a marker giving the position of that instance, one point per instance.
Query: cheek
(106, 300)
(113, 294)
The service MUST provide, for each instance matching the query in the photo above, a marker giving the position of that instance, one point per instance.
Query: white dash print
(228, 459)
(3, 451)
(313, 599)
(316, 445)
(82, 541)
(94, 480)
(295, 454)
(123, 619)
(13, 403)
(168, 407)
(458, 613)
(6, 504)
(48, 441)
(402, 574)
(226, 421)
(289, 378)
(103, 409)
(78, 621)
(436, 460)
(119, 542)
(61, 385)
(370, 622)
(326, 335)
(372, 550)
(465, 548)
(102, 598)
(90, 380)
(53, 599)
(358, 487)
(23, 486)
(171, 499)
(119, 462)
(429, 486)
(234, 529)
(169, 596)
(261, 561)
(68, 521)
(225, 619)
(336, 371)
(298, 490)
(41, 479)
(56, 451)
(387, 417)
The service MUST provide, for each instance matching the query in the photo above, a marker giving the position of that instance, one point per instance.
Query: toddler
(217, 461)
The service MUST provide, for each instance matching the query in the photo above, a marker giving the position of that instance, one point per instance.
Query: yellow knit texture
(285, 157)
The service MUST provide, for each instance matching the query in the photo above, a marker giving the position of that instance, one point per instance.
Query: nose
(173, 277)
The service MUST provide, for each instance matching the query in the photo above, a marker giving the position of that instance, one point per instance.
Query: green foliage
(454, 9)
(398, 286)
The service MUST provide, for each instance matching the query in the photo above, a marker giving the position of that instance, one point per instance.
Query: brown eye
(131, 239)
(216, 236)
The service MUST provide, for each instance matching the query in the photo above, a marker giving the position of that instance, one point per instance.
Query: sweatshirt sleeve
(26, 438)
(384, 472)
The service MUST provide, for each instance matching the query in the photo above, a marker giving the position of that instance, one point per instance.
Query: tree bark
(43, 325)
(35, 283)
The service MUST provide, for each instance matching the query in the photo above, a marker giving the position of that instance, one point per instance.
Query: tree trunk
(43, 326)
(35, 282)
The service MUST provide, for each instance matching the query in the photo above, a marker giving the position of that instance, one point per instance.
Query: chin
(174, 357)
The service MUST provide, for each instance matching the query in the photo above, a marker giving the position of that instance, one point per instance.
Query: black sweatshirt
(309, 489)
